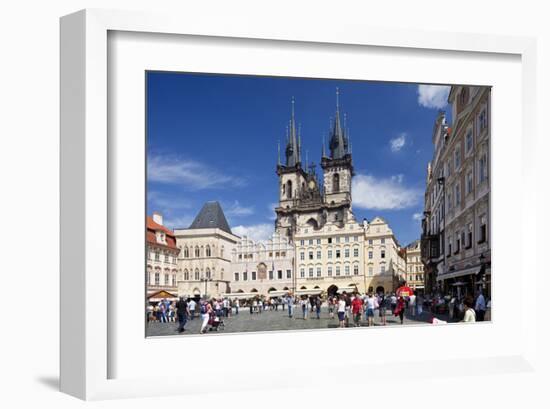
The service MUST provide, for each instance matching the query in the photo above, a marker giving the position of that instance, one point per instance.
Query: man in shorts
(370, 305)
(341, 309)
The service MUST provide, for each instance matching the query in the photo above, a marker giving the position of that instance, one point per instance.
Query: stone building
(259, 268)
(456, 234)
(415, 269)
(162, 258)
(206, 248)
(384, 259)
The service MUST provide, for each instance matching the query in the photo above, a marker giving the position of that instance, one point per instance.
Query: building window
(355, 270)
(288, 273)
(469, 236)
(318, 271)
(245, 276)
(280, 274)
(383, 254)
(208, 251)
(318, 241)
(346, 269)
(329, 240)
(337, 239)
(469, 140)
(302, 242)
(355, 238)
(157, 256)
(371, 271)
(346, 239)
(310, 242)
(469, 183)
(370, 242)
(482, 168)
(457, 242)
(337, 253)
(310, 255)
(336, 182)
(186, 275)
(270, 254)
(346, 253)
(382, 240)
(337, 270)
(450, 248)
(482, 121)
(482, 229)
(457, 195)
(310, 272)
(302, 273)
(270, 274)
(173, 280)
(318, 254)
(355, 252)
(197, 252)
(330, 254)
(157, 278)
(283, 253)
(329, 271)
(382, 269)
(289, 189)
(302, 256)
(253, 276)
(370, 254)
(208, 275)
(236, 276)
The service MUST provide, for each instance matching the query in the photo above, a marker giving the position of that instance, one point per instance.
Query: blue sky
(214, 137)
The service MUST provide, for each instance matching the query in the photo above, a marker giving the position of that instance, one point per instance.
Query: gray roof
(211, 217)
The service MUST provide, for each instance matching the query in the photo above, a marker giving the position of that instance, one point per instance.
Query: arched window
(197, 251)
(336, 182)
(289, 189)
(208, 251)
(185, 275)
(186, 252)
(197, 274)
(207, 272)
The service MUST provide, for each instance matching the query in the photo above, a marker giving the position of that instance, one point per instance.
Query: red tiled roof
(153, 227)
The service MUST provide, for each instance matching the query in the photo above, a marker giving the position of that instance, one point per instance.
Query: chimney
(157, 218)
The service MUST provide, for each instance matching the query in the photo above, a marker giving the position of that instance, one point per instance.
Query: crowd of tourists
(350, 309)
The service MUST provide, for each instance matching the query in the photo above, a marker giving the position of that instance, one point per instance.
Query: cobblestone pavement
(278, 320)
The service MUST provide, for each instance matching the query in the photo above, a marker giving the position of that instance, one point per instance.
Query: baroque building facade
(415, 268)
(456, 225)
(162, 258)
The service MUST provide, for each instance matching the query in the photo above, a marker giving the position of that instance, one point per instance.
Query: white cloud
(158, 201)
(272, 215)
(182, 222)
(237, 210)
(417, 216)
(189, 173)
(433, 96)
(398, 142)
(256, 232)
(383, 193)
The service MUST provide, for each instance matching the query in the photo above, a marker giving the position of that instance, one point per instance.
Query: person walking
(357, 310)
(480, 307)
(289, 303)
(393, 303)
(331, 307)
(192, 305)
(236, 305)
(182, 311)
(400, 309)
(205, 311)
(469, 312)
(341, 309)
(318, 304)
(412, 304)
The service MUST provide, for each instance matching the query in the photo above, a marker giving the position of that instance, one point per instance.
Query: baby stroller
(215, 323)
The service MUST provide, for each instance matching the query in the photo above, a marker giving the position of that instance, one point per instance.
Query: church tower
(338, 170)
(292, 180)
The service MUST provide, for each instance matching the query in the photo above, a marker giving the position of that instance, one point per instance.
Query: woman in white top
(469, 313)
(342, 311)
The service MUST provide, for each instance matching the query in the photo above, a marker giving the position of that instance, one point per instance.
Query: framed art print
(286, 196)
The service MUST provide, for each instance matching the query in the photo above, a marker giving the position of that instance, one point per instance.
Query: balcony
(429, 247)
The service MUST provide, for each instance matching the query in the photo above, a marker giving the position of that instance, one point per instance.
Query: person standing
(412, 304)
(341, 309)
(236, 305)
(382, 308)
(331, 307)
(370, 307)
(289, 303)
(480, 307)
(357, 310)
(182, 312)
(192, 305)
(304, 304)
(400, 309)
(393, 303)
(469, 312)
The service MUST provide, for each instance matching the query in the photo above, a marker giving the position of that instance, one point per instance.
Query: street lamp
(205, 280)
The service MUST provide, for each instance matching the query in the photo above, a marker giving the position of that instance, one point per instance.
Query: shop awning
(309, 292)
(162, 295)
(278, 293)
(346, 289)
(240, 295)
(458, 273)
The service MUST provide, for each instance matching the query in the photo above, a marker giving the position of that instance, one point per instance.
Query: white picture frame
(87, 232)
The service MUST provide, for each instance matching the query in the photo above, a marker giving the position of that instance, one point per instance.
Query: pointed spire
(323, 153)
(292, 147)
(278, 153)
(337, 144)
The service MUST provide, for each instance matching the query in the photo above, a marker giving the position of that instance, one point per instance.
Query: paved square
(277, 321)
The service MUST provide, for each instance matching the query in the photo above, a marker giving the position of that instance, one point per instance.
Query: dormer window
(161, 237)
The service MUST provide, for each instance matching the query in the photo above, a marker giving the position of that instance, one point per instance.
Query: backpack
(203, 308)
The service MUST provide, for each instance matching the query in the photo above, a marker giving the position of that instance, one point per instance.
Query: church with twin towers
(307, 199)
